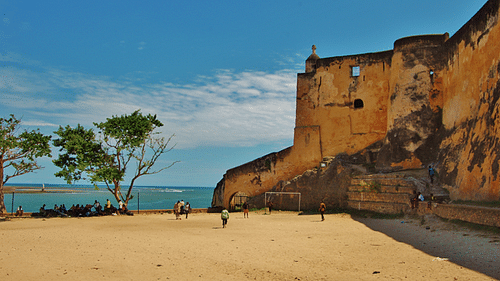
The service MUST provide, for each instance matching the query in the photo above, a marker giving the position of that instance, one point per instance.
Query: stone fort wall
(432, 100)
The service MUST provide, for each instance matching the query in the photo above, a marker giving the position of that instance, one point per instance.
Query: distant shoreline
(52, 189)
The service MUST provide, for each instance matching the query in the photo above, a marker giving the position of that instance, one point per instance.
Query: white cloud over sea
(227, 109)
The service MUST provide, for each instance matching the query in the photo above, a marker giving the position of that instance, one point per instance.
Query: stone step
(382, 181)
(379, 176)
(402, 198)
(380, 207)
(381, 189)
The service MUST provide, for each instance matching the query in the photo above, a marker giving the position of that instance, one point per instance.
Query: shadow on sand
(476, 250)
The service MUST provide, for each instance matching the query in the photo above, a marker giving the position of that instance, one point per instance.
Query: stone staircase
(382, 193)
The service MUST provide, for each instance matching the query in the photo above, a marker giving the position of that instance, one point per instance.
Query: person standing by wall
(322, 209)
(245, 210)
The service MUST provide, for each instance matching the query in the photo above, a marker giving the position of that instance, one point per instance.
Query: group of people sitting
(84, 210)
(417, 197)
(180, 209)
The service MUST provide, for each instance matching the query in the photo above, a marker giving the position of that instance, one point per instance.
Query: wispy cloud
(228, 109)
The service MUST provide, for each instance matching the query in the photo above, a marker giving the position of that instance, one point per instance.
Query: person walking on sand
(270, 206)
(224, 216)
(245, 210)
(322, 209)
(177, 210)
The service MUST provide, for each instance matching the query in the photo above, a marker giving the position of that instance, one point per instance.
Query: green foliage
(372, 186)
(268, 165)
(106, 156)
(18, 152)
(83, 154)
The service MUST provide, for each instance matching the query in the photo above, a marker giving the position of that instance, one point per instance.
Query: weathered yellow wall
(414, 110)
(326, 99)
(470, 164)
(431, 100)
(262, 174)
(326, 122)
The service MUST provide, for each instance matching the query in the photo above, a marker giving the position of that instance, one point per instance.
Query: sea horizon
(145, 197)
(66, 185)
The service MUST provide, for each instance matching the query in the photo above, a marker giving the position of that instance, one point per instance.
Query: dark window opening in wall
(355, 71)
(358, 103)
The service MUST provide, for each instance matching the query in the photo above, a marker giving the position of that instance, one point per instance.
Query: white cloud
(228, 109)
(38, 123)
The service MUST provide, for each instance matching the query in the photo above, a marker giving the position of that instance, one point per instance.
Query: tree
(18, 152)
(105, 157)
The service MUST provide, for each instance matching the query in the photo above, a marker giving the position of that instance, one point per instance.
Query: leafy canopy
(19, 152)
(105, 157)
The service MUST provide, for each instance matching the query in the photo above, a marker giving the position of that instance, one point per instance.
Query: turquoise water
(145, 198)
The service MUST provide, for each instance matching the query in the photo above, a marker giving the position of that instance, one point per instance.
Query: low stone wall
(168, 211)
(473, 214)
(391, 195)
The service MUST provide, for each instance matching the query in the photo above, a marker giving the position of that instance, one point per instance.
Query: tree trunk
(3, 209)
(117, 192)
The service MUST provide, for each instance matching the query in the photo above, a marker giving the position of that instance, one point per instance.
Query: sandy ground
(281, 246)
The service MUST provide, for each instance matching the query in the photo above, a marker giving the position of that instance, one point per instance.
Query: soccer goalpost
(289, 199)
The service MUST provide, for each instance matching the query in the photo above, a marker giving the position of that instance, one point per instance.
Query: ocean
(145, 197)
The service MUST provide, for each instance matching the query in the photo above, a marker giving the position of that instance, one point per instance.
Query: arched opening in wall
(358, 103)
(237, 200)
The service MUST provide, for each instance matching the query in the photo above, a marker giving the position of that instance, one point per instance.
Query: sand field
(281, 246)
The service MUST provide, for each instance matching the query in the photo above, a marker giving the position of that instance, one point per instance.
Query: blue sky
(221, 75)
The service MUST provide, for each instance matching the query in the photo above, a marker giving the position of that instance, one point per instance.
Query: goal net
(289, 201)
